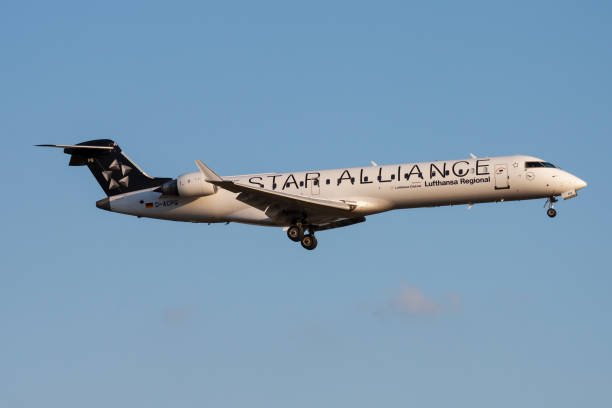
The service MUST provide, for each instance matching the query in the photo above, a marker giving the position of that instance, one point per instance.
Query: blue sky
(496, 306)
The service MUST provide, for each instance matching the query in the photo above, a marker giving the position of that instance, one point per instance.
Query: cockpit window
(532, 164)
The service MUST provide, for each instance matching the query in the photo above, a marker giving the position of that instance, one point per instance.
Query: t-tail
(113, 170)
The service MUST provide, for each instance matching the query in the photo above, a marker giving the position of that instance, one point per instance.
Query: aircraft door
(501, 177)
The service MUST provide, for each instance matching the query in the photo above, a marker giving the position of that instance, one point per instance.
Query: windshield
(533, 164)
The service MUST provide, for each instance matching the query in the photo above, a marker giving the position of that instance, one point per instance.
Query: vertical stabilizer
(113, 170)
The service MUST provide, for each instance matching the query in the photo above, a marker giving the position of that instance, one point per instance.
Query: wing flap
(280, 196)
(280, 205)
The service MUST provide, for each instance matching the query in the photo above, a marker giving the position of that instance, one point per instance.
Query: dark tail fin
(115, 172)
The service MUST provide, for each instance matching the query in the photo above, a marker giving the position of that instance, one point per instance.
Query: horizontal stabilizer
(77, 147)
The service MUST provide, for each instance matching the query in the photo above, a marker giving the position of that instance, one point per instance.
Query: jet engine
(188, 185)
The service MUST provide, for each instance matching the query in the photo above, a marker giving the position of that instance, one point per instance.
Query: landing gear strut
(551, 212)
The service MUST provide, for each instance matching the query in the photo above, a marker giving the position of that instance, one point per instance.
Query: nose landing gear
(551, 212)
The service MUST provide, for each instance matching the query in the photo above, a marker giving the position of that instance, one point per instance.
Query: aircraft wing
(285, 206)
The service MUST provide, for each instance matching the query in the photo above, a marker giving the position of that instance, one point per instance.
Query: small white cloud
(411, 301)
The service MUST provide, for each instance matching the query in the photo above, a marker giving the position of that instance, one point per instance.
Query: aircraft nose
(578, 183)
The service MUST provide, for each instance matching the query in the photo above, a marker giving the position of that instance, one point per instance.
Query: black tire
(551, 212)
(295, 233)
(309, 242)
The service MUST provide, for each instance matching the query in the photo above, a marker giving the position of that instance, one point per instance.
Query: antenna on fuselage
(472, 155)
(373, 163)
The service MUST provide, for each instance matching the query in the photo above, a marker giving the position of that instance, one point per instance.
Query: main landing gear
(551, 212)
(296, 234)
(309, 241)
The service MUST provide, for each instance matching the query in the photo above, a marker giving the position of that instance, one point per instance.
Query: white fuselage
(372, 189)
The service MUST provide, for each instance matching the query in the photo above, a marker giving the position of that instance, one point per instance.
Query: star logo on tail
(123, 169)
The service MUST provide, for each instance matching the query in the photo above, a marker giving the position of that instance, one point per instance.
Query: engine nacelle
(189, 185)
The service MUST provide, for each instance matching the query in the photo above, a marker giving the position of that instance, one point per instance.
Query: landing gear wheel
(309, 242)
(295, 233)
(551, 212)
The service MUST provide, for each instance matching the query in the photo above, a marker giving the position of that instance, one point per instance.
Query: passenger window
(365, 178)
(316, 182)
(393, 177)
(301, 184)
(327, 181)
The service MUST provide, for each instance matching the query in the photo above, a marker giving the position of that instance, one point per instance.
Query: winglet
(208, 173)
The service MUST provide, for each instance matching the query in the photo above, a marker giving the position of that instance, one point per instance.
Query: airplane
(306, 202)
